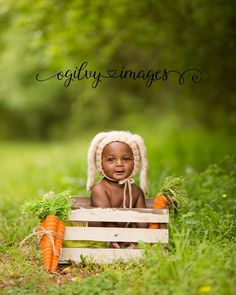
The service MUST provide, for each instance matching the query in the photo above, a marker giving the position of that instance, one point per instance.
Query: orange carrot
(50, 224)
(160, 202)
(58, 245)
(42, 238)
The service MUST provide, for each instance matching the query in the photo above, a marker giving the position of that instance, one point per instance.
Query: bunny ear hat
(137, 146)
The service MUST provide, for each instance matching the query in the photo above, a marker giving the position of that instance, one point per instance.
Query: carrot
(50, 224)
(42, 239)
(160, 202)
(58, 245)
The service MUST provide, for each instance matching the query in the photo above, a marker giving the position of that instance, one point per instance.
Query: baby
(117, 156)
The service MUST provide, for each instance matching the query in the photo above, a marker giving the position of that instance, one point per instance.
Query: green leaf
(173, 188)
(51, 204)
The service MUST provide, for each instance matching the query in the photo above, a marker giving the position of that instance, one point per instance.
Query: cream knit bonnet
(139, 153)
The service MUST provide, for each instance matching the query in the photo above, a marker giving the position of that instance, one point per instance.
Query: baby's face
(117, 160)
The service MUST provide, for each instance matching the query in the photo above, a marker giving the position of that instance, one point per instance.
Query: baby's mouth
(119, 172)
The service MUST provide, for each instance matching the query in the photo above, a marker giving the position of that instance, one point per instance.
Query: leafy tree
(46, 37)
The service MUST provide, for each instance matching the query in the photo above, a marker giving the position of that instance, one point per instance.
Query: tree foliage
(48, 36)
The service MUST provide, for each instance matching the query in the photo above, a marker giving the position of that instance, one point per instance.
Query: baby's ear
(91, 159)
(144, 163)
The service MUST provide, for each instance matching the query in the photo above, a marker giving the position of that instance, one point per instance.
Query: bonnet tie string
(127, 186)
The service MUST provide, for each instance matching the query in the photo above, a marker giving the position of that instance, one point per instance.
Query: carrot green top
(173, 188)
(51, 204)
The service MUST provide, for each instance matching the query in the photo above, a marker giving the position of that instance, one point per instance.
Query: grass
(200, 258)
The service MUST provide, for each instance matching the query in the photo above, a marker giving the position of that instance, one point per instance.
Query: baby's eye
(111, 159)
(126, 158)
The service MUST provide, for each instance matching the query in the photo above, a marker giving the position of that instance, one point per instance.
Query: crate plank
(99, 255)
(107, 234)
(120, 215)
(85, 202)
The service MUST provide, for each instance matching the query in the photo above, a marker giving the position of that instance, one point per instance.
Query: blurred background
(48, 36)
(189, 129)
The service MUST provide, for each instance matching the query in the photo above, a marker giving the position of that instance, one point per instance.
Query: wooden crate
(82, 212)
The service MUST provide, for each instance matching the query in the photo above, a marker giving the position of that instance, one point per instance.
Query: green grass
(200, 258)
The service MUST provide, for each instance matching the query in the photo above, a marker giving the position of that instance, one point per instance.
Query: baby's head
(117, 155)
(117, 161)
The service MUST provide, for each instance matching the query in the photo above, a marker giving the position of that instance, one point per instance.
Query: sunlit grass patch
(199, 257)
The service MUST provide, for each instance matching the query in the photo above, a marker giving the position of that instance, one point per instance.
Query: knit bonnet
(139, 153)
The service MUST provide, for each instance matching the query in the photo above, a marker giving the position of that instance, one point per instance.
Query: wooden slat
(107, 234)
(99, 255)
(85, 202)
(81, 202)
(120, 215)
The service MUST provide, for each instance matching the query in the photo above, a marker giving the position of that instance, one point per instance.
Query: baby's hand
(115, 245)
(131, 246)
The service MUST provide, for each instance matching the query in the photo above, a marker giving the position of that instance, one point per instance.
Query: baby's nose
(119, 162)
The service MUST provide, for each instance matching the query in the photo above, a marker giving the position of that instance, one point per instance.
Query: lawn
(200, 257)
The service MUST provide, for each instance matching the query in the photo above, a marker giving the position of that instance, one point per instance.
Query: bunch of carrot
(51, 210)
(51, 241)
(172, 192)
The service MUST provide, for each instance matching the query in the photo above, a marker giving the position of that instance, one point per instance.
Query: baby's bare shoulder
(98, 188)
(98, 196)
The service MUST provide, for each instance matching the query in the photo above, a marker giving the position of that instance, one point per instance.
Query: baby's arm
(99, 198)
(141, 204)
